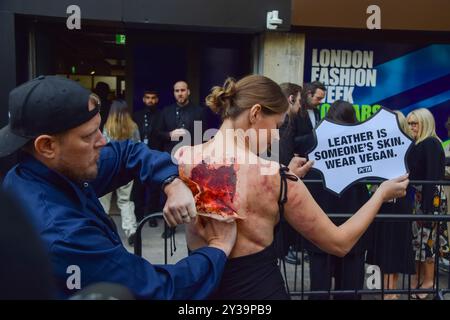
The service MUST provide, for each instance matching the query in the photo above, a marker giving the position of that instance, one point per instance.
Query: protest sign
(346, 153)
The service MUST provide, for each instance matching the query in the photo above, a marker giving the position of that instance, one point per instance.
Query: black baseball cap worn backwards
(45, 105)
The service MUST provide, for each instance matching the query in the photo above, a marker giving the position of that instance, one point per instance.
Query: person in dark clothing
(348, 271)
(311, 97)
(177, 120)
(102, 91)
(427, 162)
(147, 200)
(26, 271)
(147, 120)
(6, 164)
(305, 122)
(288, 131)
(392, 247)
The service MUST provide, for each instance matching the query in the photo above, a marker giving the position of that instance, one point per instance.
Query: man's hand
(180, 205)
(299, 166)
(214, 233)
(177, 133)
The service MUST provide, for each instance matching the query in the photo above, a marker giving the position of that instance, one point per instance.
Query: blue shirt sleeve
(121, 162)
(99, 260)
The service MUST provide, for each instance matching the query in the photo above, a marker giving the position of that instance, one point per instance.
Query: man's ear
(45, 146)
(255, 113)
(188, 92)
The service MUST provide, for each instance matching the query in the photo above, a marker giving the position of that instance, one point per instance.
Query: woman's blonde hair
(426, 124)
(233, 97)
(119, 125)
(403, 123)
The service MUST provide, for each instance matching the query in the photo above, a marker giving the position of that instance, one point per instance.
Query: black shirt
(304, 139)
(175, 117)
(426, 161)
(287, 134)
(147, 121)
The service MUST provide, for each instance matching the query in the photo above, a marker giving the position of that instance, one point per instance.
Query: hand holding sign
(300, 166)
(347, 153)
(394, 188)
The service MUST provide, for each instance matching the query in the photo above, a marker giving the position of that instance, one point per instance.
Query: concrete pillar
(282, 56)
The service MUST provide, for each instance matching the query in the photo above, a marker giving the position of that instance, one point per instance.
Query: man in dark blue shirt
(67, 166)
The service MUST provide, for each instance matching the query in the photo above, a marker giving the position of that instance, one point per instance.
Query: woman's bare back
(241, 187)
(254, 201)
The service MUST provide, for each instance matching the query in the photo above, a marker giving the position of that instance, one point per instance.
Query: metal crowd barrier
(298, 288)
(138, 238)
(437, 291)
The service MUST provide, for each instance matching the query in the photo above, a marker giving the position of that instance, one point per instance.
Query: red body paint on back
(214, 188)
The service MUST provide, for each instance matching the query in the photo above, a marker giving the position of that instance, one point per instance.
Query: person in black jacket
(146, 199)
(177, 120)
(311, 97)
(102, 90)
(26, 269)
(348, 272)
(147, 120)
(427, 162)
(288, 131)
(392, 247)
(304, 123)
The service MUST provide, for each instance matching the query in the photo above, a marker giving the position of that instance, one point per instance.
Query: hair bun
(220, 99)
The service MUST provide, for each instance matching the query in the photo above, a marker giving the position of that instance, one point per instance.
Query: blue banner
(369, 75)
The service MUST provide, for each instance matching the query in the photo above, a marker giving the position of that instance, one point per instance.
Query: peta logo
(74, 280)
(365, 169)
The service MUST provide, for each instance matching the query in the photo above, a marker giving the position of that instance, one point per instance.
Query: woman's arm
(305, 215)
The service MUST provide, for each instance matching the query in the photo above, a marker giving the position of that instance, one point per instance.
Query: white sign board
(347, 153)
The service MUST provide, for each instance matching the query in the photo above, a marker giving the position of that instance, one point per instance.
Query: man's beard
(309, 104)
(76, 174)
(182, 102)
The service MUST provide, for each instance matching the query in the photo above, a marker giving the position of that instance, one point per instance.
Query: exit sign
(120, 39)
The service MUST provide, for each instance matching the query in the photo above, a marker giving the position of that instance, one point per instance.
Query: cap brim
(9, 142)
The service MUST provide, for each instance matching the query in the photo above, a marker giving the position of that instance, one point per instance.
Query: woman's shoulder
(431, 143)
(185, 155)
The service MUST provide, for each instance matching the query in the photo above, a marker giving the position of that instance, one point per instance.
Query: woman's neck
(231, 136)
